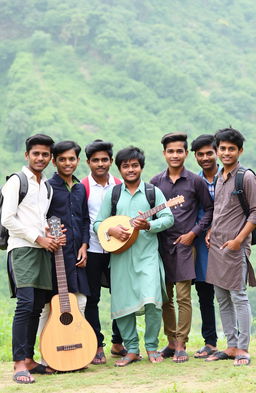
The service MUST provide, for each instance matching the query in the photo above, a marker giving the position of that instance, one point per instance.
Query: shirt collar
(59, 179)
(184, 173)
(31, 175)
(111, 180)
(201, 173)
(231, 173)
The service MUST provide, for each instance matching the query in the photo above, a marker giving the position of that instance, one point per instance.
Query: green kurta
(137, 274)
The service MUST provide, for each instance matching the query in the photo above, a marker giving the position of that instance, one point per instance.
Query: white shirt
(27, 220)
(96, 196)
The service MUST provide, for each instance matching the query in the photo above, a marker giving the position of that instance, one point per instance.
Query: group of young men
(205, 241)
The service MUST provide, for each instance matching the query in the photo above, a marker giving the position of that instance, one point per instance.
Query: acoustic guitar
(111, 244)
(68, 341)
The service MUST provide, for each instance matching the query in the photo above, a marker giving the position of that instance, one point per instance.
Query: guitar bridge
(69, 347)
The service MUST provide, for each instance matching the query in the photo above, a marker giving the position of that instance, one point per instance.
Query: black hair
(130, 153)
(230, 135)
(174, 137)
(39, 139)
(98, 145)
(203, 140)
(61, 147)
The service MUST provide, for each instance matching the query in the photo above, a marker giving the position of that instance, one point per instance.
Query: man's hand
(207, 238)
(119, 232)
(62, 240)
(234, 245)
(82, 256)
(49, 243)
(186, 239)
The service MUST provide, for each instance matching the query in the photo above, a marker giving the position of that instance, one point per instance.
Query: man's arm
(205, 201)
(9, 211)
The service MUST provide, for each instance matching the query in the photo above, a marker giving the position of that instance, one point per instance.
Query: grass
(194, 376)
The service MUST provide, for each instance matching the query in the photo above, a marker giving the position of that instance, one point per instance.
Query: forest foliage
(127, 71)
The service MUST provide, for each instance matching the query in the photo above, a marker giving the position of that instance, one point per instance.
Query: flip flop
(154, 355)
(167, 352)
(40, 369)
(241, 357)
(206, 349)
(24, 373)
(99, 356)
(179, 354)
(122, 353)
(219, 355)
(128, 360)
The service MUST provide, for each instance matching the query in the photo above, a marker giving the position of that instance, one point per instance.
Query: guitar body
(111, 244)
(68, 341)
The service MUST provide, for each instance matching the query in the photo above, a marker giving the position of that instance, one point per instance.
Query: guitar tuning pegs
(175, 207)
(181, 204)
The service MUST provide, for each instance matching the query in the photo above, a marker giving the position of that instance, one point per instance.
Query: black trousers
(96, 269)
(30, 302)
(205, 293)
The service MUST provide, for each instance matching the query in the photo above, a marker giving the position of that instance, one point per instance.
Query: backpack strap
(49, 189)
(86, 184)
(116, 191)
(151, 196)
(239, 190)
(23, 184)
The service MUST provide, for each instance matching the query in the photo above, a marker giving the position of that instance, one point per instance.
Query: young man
(99, 159)
(206, 155)
(69, 203)
(176, 244)
(229, 240)
(29, 262)
(136, 274)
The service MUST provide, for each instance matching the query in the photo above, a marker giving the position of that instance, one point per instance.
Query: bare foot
(228, 353)
(205, 351)
(118, 350)
(155, 357)
(129, 358)
(37, 368)
(242, 358)
(180, 355)
(21, 373)
(100, 357)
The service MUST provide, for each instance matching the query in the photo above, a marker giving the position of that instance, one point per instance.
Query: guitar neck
(62, 281)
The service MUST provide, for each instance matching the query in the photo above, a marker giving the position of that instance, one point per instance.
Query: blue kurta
(201, 261)
(137, 274)
(71, 208)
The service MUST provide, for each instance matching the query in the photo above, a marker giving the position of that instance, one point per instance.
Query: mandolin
(68, 341)
(111, 244)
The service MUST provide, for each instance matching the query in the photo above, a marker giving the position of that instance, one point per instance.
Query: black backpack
(4, 234)
(239, 191)
(149, 191)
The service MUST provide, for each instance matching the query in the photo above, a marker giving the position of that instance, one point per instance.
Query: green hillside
(125, 70)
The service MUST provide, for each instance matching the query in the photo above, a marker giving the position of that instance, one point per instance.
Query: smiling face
(130, 171)
(99, 164)
(66, 163)
(206, 157)
(229, 154)
(175, 154)
(38, 158)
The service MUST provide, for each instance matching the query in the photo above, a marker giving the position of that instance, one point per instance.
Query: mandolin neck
(62, 281)
(150, 212)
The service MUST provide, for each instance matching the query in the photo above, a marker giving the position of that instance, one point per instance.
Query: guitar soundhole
(66, 318)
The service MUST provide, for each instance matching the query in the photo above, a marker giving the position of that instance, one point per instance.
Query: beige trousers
(178, 331)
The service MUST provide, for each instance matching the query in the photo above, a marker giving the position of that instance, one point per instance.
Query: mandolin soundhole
(66, 318)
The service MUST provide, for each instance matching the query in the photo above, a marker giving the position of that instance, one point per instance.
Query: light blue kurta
(137, 274)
